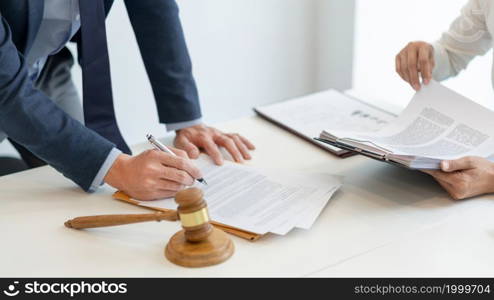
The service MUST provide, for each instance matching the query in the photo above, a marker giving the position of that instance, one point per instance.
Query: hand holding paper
(465, 177)
(437, 125)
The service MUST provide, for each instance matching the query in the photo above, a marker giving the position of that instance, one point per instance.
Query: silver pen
(164, 148)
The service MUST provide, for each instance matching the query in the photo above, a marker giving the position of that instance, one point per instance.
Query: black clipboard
(363, 152)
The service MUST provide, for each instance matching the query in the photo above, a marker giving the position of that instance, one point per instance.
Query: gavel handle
(114, 220)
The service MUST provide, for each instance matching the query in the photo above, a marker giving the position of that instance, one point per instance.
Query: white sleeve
(466, 38)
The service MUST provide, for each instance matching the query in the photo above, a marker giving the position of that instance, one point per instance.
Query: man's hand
(152, 174)
(197, 137)
(414, 58)
(465, 177)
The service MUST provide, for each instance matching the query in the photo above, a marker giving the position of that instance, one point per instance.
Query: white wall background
(245, 53)
(384, 27)
(251, 52)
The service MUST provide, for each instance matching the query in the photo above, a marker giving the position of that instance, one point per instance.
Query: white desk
(385, 221)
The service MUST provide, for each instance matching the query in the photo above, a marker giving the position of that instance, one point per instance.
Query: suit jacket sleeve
(30, 118)
(162, 44)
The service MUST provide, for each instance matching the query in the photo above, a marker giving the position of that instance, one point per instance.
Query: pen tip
(203, 181)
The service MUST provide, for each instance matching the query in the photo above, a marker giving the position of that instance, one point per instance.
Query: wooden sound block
(217, 248)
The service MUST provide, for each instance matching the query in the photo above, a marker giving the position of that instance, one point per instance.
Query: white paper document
(329, 109)
(438, 124)
(261, 201)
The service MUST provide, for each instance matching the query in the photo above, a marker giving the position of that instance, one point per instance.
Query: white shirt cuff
(441, 59)
(100, 176)
(182, 125)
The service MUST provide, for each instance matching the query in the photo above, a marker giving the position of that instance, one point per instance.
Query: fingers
(172, 186)
(212, 150)
(404, 67)
(246, 142)
(453, 183)
(428, 171)
(398, 66)
(458, 164)
(458, 190)
(448, 187)
(413, 73)
(457, 184)
(439, 175)
(184, 143)
(241, 145)
(415, 58)
(201, 137)
(180, 164)
(174, 179)
(153, 188)
(453, 178)
(425, 65)
(229, 144)
(167, 194)
(168, 186)
(155, 195)
(179, 152)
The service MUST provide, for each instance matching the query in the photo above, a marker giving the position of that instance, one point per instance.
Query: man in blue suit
(41, 115)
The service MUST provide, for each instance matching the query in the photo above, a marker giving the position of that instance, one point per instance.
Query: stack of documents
(306, 116)
(261, 201)
(437, 125)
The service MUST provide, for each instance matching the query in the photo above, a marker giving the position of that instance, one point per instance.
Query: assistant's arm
(466, 38)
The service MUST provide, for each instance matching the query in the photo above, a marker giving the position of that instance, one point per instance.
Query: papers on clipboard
(306, 116)
(437, 125)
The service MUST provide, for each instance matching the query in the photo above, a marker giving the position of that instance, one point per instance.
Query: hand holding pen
(152, 174)
(158, 145)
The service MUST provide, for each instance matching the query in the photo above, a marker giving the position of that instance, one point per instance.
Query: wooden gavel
(199, 244)
(115, 220)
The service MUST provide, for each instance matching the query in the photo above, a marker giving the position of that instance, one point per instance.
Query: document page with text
(261, 201)
(327, 109)
(438, 124)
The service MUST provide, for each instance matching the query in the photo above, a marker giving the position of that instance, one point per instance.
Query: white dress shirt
(61, 20)
(469, 35)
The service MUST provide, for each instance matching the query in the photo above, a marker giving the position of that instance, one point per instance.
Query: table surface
(384, 221)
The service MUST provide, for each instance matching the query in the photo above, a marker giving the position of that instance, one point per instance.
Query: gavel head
(194, 215)
(199, 244)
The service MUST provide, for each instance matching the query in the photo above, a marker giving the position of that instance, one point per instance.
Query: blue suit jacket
(30, 118)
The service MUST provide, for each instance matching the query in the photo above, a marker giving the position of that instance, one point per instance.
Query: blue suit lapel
(34, 16)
